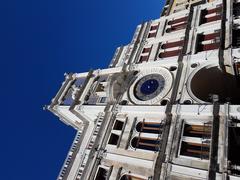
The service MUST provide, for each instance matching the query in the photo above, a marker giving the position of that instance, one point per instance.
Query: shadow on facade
(212, 80)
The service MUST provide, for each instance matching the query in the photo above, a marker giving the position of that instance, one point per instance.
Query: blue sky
(39, 41)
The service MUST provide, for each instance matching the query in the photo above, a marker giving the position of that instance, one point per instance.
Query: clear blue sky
(40, 40)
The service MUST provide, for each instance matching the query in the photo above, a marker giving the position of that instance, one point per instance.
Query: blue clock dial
(149, 87)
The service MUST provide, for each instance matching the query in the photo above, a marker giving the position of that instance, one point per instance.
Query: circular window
(212, 80)
(149, 87)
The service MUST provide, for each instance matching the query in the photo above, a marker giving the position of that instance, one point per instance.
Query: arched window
(149, 127)
(150, 144)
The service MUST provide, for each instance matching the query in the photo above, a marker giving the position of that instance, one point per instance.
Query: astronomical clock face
(151, 86)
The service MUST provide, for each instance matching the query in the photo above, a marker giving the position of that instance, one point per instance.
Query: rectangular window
(143, 59)
(153, 34)
(153, 31)
(179, 20)
(102, 174)
(206, 42)
(198, 150)
(149, 127)
(237, 67)
(113, 139)
(146, 50)
(201, 131)
(145, 54)
(154, 27)
(236, 9)
(150, 144)
(103, 100)
(211, 15)
(236, 38)
(172, 44)
(118, 125)
(176, 24)
(169, 53)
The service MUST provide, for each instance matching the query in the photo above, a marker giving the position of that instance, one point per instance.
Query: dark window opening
(149, 127)
(236, 38)
(103, 100)
(210, 15)
(187, 102)
(214, 10)
(130, 177)
(118, 125)
(236, 9)
(234, 145)
(194, 65)
(211, 36)
(124, 102)
(203, 43)
(176, 27)
(166, 54)
(164, 102)
(100, 88)
(145, 143)
(102, 174)
(153, 34)
(154, 27)
(212, 80)
(208, 47)
(173, 68)
(113, 139)
(146, 50)
(143, 59)
(172, 44)
(179, 20)
(237, 67)
(211, 19)
(201, 131)
(199, 150)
